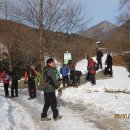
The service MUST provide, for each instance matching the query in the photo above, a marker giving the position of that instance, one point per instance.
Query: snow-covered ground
(13, 116)
(111, 95)
(22, 114)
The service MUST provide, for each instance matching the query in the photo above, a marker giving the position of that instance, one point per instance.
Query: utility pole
(41, 35)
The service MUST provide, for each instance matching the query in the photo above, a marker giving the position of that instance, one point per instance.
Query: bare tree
(124, 11)
(50, 16)
(123, 3)
(59, 15)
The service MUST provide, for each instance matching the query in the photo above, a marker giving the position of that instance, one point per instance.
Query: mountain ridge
(100, 31)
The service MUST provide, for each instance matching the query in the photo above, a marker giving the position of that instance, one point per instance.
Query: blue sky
(101, 10)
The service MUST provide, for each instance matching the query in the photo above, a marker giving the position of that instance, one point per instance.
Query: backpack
(44, 81)
(96, 66)
(6, 77)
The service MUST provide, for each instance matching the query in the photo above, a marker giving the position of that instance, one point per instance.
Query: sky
(101, 10)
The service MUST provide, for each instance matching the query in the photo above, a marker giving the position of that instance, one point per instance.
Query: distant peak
(100, 31)
(106, 22)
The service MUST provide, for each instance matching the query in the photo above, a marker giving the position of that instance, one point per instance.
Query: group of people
(74, 78)
(49, 81)
(7, 76)
(93, 66)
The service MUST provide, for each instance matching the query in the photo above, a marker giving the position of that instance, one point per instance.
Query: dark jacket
(99, 54)
(109, 60)
(64, 71)
(31, 74)
(15, 75)
(71, 67)
(53, 84)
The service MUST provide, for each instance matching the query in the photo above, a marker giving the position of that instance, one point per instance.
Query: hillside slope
(25, 40)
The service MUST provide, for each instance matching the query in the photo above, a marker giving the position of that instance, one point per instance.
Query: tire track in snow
(10, 114)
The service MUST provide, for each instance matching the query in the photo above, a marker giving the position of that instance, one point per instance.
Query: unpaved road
(88, 115)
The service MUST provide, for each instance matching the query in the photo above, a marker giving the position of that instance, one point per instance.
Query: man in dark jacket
(49, 92)
(99, 57)
(31, 81)
(109, 64)
(15, 77)
(72, 71)
(88, 73)
(64, 71)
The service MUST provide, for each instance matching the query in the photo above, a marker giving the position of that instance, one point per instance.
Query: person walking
(64, 71)
(88, 73)
(31, 82)
(6, 79)
(99, 54)
(71, 67)
(15, 77)
(109, 64)
(49, 77)
(92, 71)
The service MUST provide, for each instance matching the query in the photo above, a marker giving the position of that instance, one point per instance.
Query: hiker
(109, 63)
(15, 77)
(71, 67)
(31, 82)
(49, 78)
(77, 76)
(92, 70)
(99, 54)
(6, 79)
(88, 73)
(64, 71)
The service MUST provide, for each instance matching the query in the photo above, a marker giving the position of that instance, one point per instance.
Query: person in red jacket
(5, 78)
(92, 70)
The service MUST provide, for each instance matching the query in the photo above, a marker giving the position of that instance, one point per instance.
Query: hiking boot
(6, 96)
(30, 98)
(45, 119)
(11, 96)
(58, 117)
(110, 75)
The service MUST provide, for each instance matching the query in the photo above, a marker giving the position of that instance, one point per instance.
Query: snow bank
(13, 116)
(111, 95)
(82, 66)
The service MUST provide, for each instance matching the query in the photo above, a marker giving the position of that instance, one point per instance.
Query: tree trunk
(41, 35)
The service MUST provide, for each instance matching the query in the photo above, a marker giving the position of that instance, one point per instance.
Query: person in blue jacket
(64, 71)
